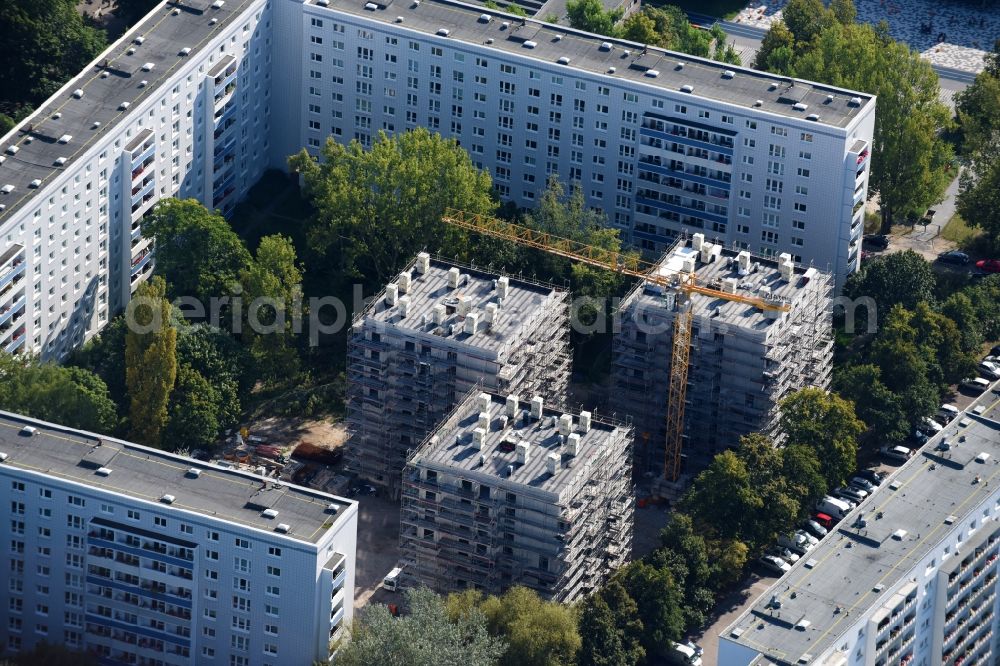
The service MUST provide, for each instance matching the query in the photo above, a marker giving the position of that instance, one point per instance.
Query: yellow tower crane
(625, 264)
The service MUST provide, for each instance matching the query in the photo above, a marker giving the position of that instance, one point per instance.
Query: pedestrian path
(948, 34)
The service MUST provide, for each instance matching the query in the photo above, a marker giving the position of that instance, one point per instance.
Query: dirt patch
(289, 432)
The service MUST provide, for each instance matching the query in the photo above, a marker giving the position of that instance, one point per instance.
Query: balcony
(13, 271)
(146, 153)
(16, 342)
(11, 313)
(677, 137)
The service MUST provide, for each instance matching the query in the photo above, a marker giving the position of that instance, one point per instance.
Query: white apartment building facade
(183, 105)
(143, 557)
(665, 143)
(177, 107)
(909, 578)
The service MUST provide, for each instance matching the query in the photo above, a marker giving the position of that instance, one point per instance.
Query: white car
(775, 564)
(989, 369)
(949, 411)
(977, 384)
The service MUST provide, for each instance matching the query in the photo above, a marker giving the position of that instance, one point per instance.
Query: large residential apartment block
(908, 578)
(177, 107)
(508, 491)
(743, 360)
(432, 335)
(182, 105)
(664, 142)
(143, 557)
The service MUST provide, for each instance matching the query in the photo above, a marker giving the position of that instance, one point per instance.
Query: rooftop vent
(773, 86)
(218, 4)
(573, 444)
(728, 74)
(399, 19)
(168, 499)
(829, 99)
(513, 403)
(404, 281)
(423, 263)
(687, 87)
(3, 457)
(454, 277)
(552, 463)
(371, 6)
(65, 138)
(269, 513)
(28, 431)
(611, 70)
(854, 101)
(484, 18)
(57, 115)
(565, 424)
(489, 40)
(130, 51)
(103, 471)
(898, 535)
(193, 472)
(679, 66)
(213, 21)
(529, 44)
(584, 425)
(557, 38)
(35, 183)
(504, 25)
(143, 83)
(332, 507)
(537, 404)
(185, 51)
(443, 32)
(652, 73)
(563, 60)
(404, 306)
(12, 150)
(522, 449)
(124, 106)
(7, 189)
(478, 438)
(284, 528)
(97, 123)
(759, 102)
(982, 457)
(606, 46)
(813, 117)
(323, 3)
(950, 520)
(485, 401)
(503, 286)
(78, 93)
(799, 106)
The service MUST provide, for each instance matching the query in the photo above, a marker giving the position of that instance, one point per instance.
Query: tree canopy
(150, 361)
(424, 636)
(379, 207)
(900, 278)
(826, 424)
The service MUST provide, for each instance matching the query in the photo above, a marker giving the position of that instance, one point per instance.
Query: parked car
(785, 554)
(875, 241)
(988, 265)
(362, 489)
(852, 494)
(949, 411)
(808, 537)
(953, 257)
(871, 476)
(815, 528)
(977, 384)
(825, 520)
(835, 507)
(896, 453)
(990, 370)
(775, 565)
(930, 427)
(684, 654)
(995, 351)
(862, 483)
(796, 542)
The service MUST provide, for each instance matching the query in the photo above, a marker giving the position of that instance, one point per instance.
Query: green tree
(104, 355)
(272, 293)
(805, 19)
(777, 50)
(45, 43)
(905, 366)
(959, 308)
(194, 411)
(381, 206)
(723, 51)
(844, 11)
(826, 424)
(150, 361)
(802, 472)
(876, 404)
(900, 278)
(911, 161)
(425, 636)
(660, 605)
(985, 296)
(640, 27)
(197, 252)
(69, 396)
(979, 197)
(591, 16)
(611, 629)
(219, 358)
(131, 12)
(537, 632)
(976, 106)
(941, 337)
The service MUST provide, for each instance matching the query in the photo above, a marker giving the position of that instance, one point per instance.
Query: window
(750, 124)
(159, 521)
(806, 136)
(779, 131)
(749, 143)
(133, 514)
(801, 189)
(273, 571)
(274, 551)
(805, 155)
(704, 114)
(680, 108)
(803, 172)
(242, 543)
(800, 207)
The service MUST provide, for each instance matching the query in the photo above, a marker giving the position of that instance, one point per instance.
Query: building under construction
(432, 335)
(742, 360)
(508, 493)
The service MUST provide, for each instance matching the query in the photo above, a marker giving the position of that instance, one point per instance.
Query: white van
(684, 654)
(834, 507)
(391, 581)
(949, 411)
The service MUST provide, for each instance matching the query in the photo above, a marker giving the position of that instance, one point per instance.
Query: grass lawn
(957, 231)
(726, 9)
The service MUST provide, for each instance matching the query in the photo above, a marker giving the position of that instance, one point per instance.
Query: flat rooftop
(923, 498)
(764, 280)
(148, 474)
(451, 447)
(521, 309)
(163, 34)
(612, 58)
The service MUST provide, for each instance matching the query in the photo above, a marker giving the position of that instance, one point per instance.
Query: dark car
(871, 476)
(953, 257)
(988, 265)
(875, 241)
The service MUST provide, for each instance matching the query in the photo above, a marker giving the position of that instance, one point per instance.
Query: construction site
(506, 492)
(429, 337)
(760, 331)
